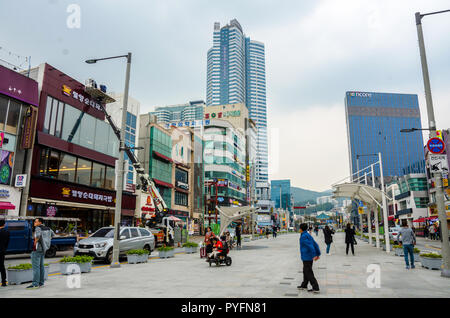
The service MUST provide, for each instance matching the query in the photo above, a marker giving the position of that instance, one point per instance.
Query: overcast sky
(315, 52)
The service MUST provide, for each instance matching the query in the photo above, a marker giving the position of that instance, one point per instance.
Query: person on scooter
(218, 248)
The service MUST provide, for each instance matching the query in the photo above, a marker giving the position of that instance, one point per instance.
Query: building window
(67, 168)
(98, 175)
(53, 164)
(53, 117)
(181, 175)
(84, 169)
(181, 198)
(110, 178)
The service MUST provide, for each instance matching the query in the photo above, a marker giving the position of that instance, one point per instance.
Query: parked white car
(393, 233)
(100, 244)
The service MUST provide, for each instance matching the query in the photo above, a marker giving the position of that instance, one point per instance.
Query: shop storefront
(95, 207)
(73, 168)
(18, 101)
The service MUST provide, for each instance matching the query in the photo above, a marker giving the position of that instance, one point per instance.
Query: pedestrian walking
(42, 242)
(316, 230)
(425, 232)
(408, 240)
(328, 234)
(350, 239)
(4, 241)
(432, 230)
(238, 236)
(309, 252)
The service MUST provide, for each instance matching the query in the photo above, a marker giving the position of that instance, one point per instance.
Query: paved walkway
(263, 268)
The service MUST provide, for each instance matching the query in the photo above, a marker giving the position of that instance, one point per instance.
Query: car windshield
(104, 232)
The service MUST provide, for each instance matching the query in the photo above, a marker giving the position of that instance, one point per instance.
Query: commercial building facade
(236, 74)
(18, 111)
(73, 166)
(190, 111)
(131, 134)
(374, 121)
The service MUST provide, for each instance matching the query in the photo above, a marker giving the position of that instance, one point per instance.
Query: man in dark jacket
(4, 241)
(328, 234)
(350, 239)
(309, 251)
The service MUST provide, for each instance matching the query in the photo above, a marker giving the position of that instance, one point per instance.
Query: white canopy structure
(230, 214)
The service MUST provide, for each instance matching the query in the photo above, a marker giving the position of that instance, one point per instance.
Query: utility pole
(432, 126)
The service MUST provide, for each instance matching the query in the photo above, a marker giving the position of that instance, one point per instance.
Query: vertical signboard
(28, 128)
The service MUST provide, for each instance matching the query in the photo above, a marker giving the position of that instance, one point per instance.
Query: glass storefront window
(110, 178)
(43, 162)
(87, 131)
(67, 168)
(98, 175)
(59, 119)
(84, 168)
(12, 122)
(48, 111)
(53, 164)
(101, 137)
(71, 115)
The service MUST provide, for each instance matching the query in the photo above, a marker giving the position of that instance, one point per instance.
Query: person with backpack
(42, 242)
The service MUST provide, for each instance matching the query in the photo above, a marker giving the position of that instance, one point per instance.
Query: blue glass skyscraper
(374, 121)
(236, 74)
(281, 190)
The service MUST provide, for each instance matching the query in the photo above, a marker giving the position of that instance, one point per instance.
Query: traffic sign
(436, 146)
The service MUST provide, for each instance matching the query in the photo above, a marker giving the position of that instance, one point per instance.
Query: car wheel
(108, 258)
(148, 248)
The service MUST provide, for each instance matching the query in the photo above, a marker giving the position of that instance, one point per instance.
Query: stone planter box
(431, 263)
(135, 258)
(246, 239)
(19, 276)
(166, 254)
(416, 257)
(399, 252)
(75, 268)
(190, 250)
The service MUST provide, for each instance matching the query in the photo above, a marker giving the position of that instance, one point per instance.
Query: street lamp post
(120, 164)
(432, 124)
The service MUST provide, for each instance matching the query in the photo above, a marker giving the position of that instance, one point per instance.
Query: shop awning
(420, 220)
(432, 217)
(7, 206)
(161, 156)
(391, 218)
(162, 183)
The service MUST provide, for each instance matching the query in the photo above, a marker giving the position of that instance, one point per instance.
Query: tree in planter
(137, 256)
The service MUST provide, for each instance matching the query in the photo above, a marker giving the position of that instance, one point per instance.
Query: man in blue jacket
(309, 251)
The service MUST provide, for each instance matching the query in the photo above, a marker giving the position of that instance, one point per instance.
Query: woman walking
(328, 234)
(350, 238)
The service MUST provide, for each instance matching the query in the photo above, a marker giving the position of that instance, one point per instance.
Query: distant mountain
(302, 195)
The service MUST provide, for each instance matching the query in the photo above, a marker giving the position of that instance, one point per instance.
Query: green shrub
(431, 255)
(165, 248)
(137, 252)
(397, 246)
(81, 259)
(190, 244)
(21, 266)
(416, 250)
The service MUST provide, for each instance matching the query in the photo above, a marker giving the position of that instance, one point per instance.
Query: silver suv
(100, 244)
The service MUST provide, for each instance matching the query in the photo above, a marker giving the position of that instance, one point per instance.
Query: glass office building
(374, 121)
(236, 74)
(280, 191)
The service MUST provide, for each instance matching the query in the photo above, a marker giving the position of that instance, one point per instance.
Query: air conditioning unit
(91, 83)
